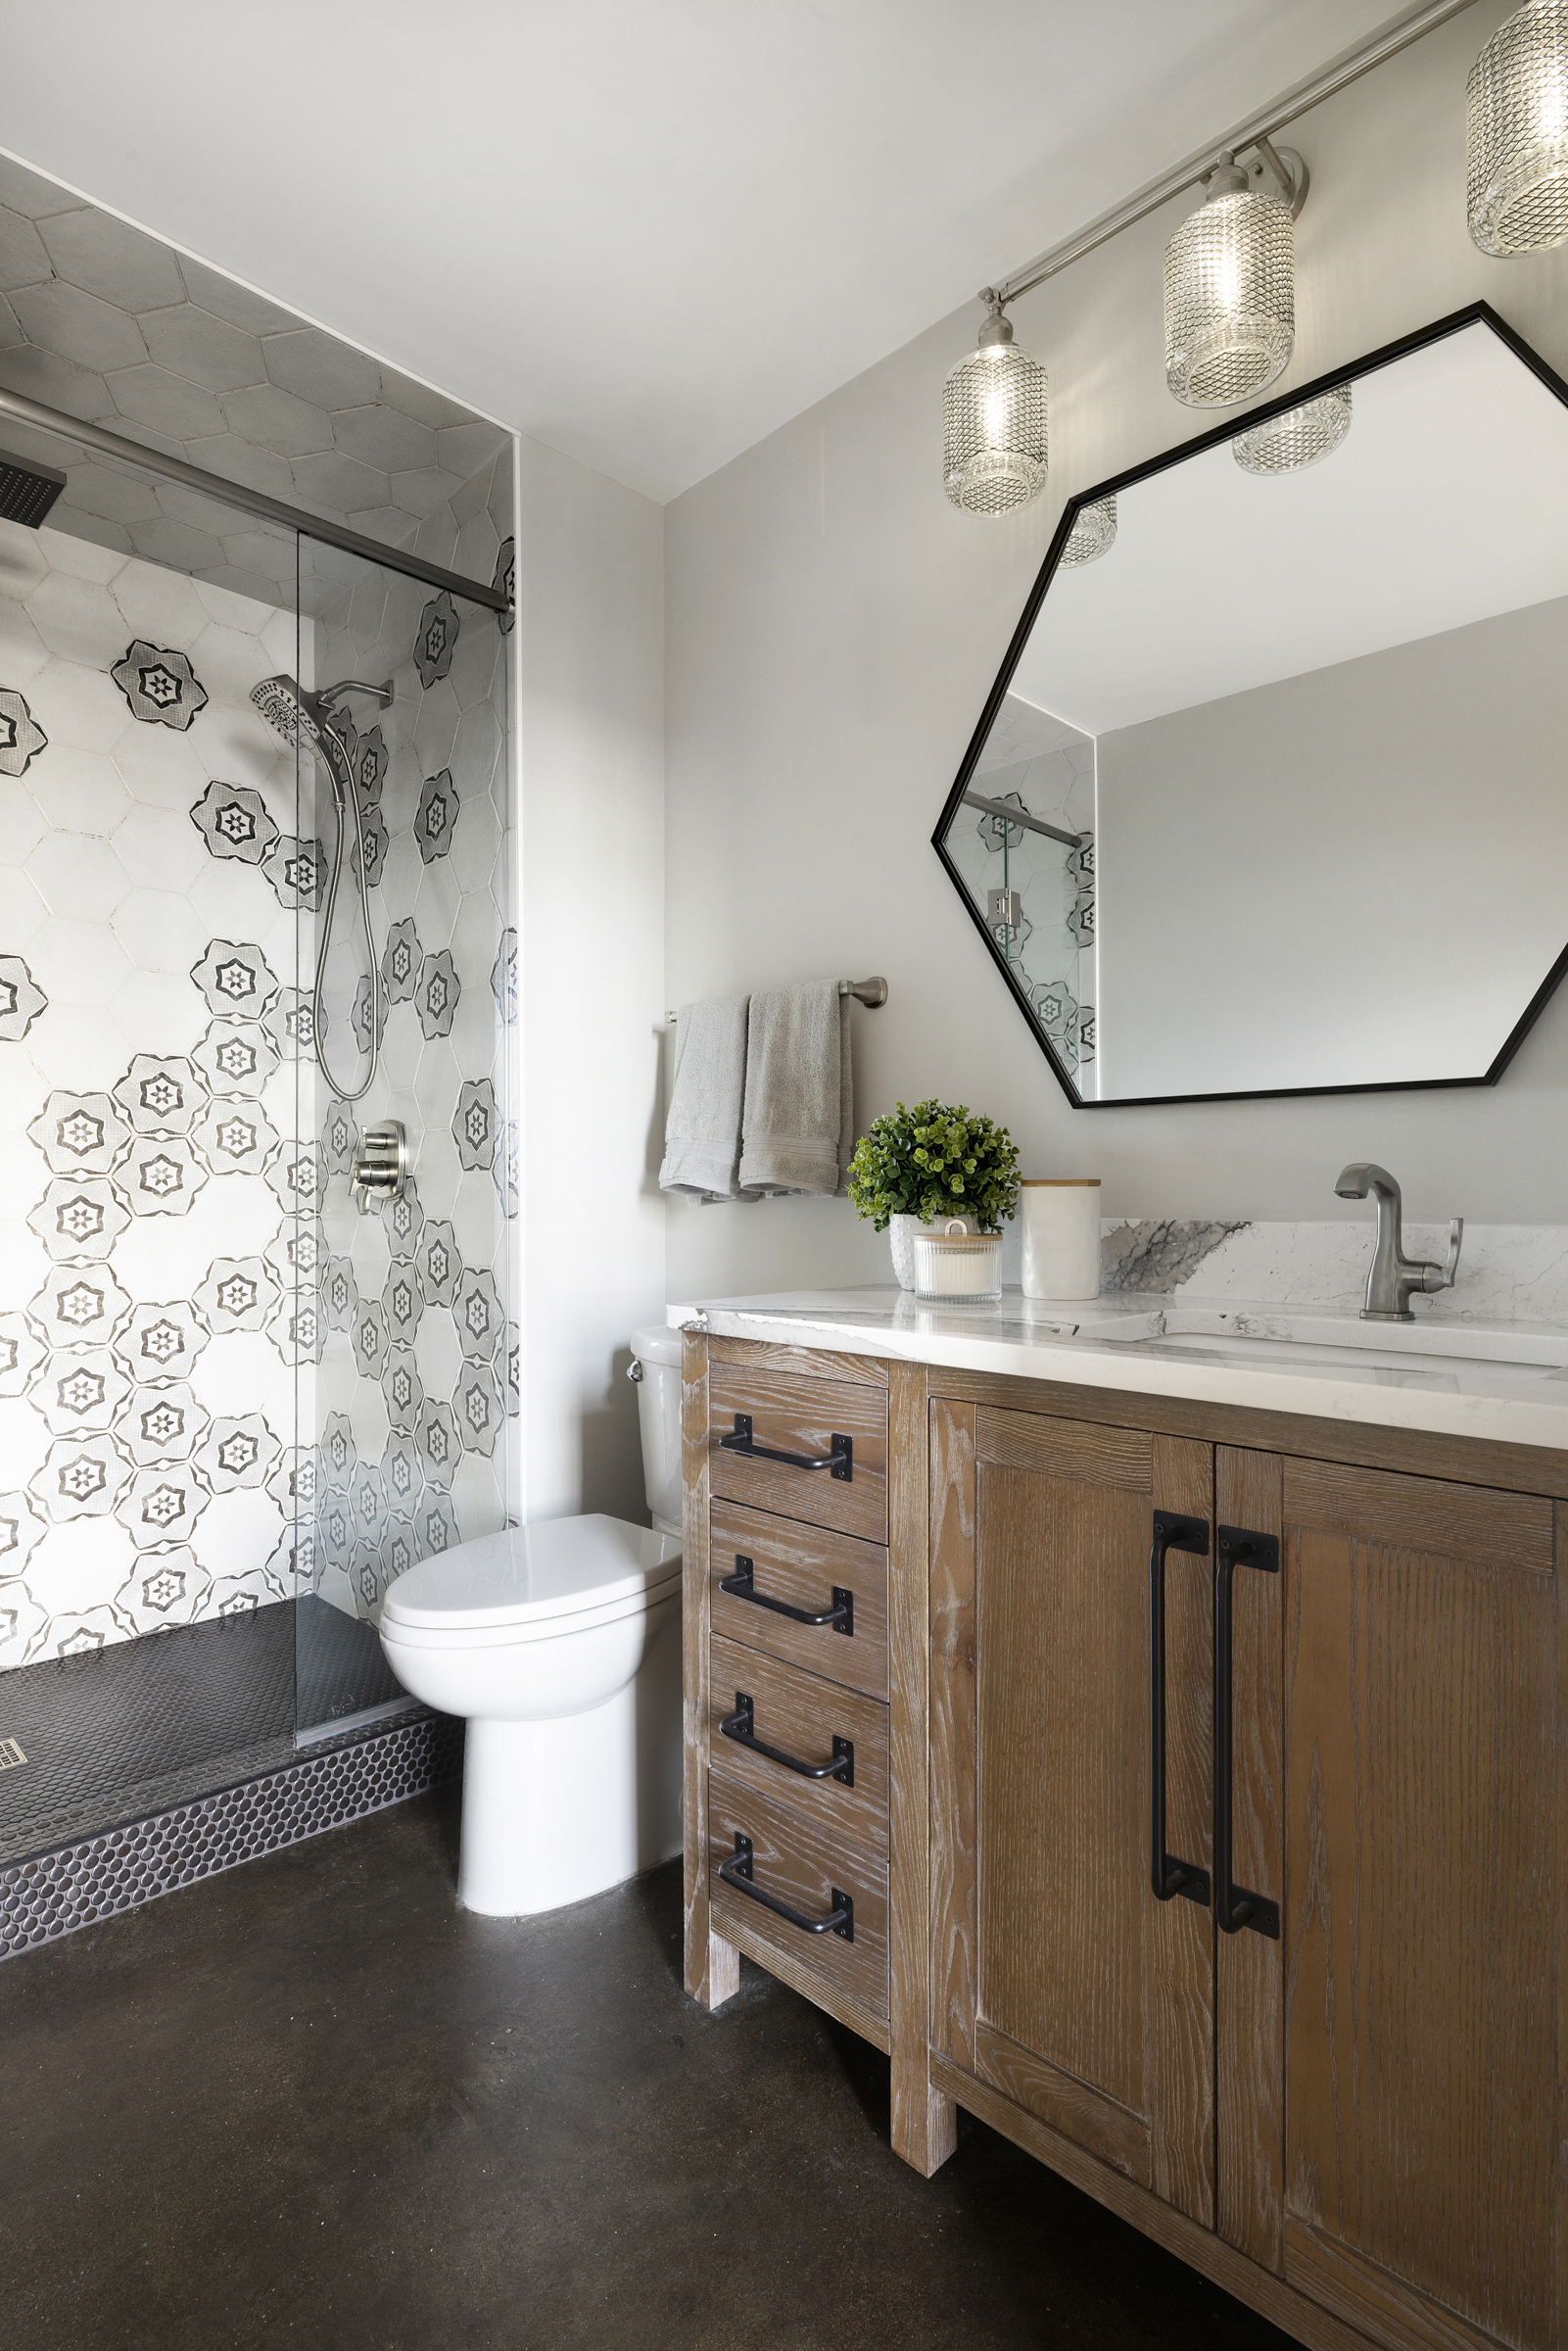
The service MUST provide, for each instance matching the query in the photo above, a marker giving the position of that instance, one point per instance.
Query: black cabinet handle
(1167, 1875)
(1237, 1906)
(737, 1872)
(741, 1726)
(840, 1461)
(740, 1586)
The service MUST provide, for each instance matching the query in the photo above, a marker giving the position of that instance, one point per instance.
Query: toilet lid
(657, 1345)
(526, 1574)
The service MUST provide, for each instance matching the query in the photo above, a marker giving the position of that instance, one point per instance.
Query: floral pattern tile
(437, 818)
(21, 738)
(189, 1188)
(233, 821)
(22, 999)
(437, 639)
(159, 685)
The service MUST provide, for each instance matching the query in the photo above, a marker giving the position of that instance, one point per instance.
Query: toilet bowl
(560, 1645)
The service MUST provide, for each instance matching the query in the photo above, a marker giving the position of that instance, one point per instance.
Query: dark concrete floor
(310, 2103)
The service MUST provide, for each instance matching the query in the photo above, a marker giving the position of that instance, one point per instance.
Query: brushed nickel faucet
(1394, 1279)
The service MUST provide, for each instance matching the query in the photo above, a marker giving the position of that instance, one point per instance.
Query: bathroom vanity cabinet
(1321, 2062)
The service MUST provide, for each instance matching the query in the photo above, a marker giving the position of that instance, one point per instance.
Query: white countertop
(1502, 1381)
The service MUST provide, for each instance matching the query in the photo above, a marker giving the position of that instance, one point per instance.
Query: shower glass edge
(405, 1364)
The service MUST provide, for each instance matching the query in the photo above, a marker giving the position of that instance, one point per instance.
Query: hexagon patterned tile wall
(107, 324)
(177, 1237)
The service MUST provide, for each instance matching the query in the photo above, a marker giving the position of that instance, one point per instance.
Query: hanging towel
(797, 1126)
(702, 1129)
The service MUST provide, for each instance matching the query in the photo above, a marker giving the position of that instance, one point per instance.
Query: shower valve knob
(381, 1164)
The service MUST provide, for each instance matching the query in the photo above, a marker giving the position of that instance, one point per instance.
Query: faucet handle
(1441, 1278)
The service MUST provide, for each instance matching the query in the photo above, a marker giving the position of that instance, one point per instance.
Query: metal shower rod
(248, 501)
(1249, 132)
(1021, 816)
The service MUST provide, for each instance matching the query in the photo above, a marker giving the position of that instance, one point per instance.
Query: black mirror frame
(1476, 314)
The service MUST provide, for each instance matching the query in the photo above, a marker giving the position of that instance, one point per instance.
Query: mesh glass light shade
(993, 430)
(1517, 197)
(1230, 299)
(1092, 533)
(1301, 436)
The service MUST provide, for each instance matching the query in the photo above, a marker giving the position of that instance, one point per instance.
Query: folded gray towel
(702, 1129)
(797, 1126)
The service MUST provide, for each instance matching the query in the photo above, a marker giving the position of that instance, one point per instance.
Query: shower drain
(11, 1755)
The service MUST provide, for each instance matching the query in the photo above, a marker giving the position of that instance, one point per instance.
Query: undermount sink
(1320, 1341)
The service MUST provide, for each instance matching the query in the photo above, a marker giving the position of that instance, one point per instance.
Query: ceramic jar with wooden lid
(1060, 1219)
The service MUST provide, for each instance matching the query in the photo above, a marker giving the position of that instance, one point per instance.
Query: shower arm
(379, 694)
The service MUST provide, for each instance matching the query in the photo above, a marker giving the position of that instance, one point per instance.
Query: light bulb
(1301, 436)
(994, 425)
(1093, 531)
(1230, 299)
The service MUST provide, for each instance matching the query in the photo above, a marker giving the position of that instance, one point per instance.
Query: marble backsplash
(1508, 1273)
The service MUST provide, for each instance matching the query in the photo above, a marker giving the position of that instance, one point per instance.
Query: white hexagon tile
(183, 1268)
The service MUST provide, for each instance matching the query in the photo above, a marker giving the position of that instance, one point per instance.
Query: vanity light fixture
(1301, 436)
(1517, 105)
(1094, 530)
(1230, 286)
(995, 422)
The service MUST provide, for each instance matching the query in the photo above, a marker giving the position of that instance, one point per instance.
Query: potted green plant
(914, 1169)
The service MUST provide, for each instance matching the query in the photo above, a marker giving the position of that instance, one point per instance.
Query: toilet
(561, 1646)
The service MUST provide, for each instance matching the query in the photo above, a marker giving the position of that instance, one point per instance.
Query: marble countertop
(1504, 1381)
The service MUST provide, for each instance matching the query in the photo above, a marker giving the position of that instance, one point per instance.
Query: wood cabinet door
(1058, 1977)
(1414, 1985)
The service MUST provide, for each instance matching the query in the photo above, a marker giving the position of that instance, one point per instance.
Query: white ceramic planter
(901, 1234)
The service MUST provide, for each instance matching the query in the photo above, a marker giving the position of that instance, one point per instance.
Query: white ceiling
(647, 231)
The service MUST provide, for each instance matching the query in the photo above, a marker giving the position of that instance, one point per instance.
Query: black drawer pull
(737, 1872)
(1237, 1906)
(741, 1726)
(841, 1459)
(1169, 1877)
(739, 1586)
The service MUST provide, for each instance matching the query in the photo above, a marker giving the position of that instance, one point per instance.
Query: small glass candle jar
(956, 1265)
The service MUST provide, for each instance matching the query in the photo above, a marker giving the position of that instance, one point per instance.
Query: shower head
(28, 490)
(299, 717)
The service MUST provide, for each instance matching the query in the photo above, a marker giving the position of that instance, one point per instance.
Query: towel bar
(870, 992)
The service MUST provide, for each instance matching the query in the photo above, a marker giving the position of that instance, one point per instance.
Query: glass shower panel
(405, 1365)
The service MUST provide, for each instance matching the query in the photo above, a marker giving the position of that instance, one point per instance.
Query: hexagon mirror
(1272, 793)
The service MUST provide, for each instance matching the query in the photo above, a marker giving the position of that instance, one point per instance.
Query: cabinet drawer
(801, 1567)
(801, 1714)
(801, 1416)
(800, 1865)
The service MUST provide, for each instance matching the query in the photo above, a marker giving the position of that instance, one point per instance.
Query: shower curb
(94, 1877)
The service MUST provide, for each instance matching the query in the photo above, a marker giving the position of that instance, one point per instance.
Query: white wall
(833, 627)
(591, 914)
(1443, 756)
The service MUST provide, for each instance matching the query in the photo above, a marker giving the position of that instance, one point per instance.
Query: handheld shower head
(305, 722)
(299, 717)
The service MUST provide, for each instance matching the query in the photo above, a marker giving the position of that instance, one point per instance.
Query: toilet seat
(528, 1632)
(532, 1583)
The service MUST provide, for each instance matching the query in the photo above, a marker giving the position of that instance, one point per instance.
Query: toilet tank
(656, 1369)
